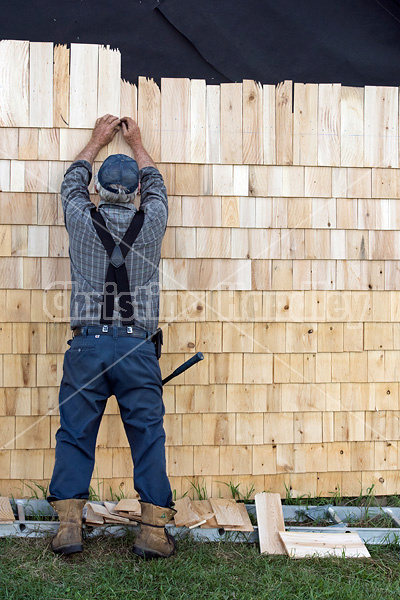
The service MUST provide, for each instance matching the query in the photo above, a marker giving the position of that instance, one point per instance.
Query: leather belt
(110, 330)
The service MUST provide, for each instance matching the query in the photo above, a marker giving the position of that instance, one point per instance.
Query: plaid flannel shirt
(89, 260)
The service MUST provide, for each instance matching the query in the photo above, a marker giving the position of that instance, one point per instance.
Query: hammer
(186, 365)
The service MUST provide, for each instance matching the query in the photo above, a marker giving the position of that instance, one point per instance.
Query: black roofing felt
(354, 42)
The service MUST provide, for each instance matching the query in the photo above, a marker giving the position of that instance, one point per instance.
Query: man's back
(89, 260)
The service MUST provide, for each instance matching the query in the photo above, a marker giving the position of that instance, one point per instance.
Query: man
(114, 310)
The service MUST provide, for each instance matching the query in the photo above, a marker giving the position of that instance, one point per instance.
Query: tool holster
(157, 339)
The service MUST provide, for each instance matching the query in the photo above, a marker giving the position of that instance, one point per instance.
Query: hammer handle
(186, 365)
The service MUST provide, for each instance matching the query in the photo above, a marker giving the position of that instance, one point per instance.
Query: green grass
(107, 570)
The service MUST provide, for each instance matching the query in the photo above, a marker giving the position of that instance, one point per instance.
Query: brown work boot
(153, 541)
(69, 537)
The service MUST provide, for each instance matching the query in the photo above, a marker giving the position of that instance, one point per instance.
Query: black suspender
(117, 275)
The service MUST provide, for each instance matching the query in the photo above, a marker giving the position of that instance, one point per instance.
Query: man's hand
(131, 133)
(105, 129)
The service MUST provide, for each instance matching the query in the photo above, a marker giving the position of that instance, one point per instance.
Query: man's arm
(154, 198)
(103, 133)
(131, 132)
(74, 190)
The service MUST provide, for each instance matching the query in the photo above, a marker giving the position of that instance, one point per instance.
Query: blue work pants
(96, 367)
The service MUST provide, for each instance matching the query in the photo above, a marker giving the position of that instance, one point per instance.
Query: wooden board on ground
(226, 512)
(185, 515)
(270, 523)
(203, 509)
(6, 512)
(300, 544)
(247, 526)
(110, 506)
(129, 505)
(98, 514)
(205, 512)
(116, 519)
(94, 515)
(133, 516)
(114, 515)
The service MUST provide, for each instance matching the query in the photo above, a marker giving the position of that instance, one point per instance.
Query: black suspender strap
(117, 275)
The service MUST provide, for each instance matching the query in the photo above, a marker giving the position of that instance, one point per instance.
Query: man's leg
(83, 395)
(138, 388)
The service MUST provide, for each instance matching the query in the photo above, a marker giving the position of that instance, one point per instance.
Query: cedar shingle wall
(280, 263)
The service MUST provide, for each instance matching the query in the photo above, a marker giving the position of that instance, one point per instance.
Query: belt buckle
(105, 329)
(129, 330)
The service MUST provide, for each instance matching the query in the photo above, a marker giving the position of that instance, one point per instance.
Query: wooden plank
(231, 123)
(41, 84)
(329, 124)
(56, 176)
(109, 84)
(128, 505)
(223, 180)
(284, 124)
(252, 122)
(128, 94)
(213, 124)
(128, 108)
(83, 85)
(185, 515)
(301, 544)
(352, 127)
(305, 124)
(204, 510)
(8, 142)
(5, 174)
(247, 526)
(207, 274)
(175, 120)
(36, 178)
(113, 514)
(99, 514)
(14, 83)
(226, 511)
(269, 124)
(149, 116)
(270, 523)
(206, 516)
(28, 143)
(198, 120)
(17, 176)
(49, 144)
(94, 515)
(61, 86)
(71, 143)
(381, 127)
(6, 512)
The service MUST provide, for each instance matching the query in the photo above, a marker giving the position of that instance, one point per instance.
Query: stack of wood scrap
(129, 508)
(300, 544)
(212, 513)
(125, 511)
(6, 512)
